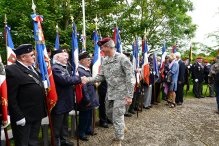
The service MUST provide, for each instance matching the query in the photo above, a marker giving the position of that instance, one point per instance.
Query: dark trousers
(85, 121)
(102, 110)
(155, 93)
(60, 127)
(179, 93)
(26, 135)
(217, 95)
(197, 89)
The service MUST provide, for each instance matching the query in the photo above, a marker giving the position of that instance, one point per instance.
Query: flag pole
(49, 115)
(76, 109)
(84, 28)
(6, 44)
(94, 109)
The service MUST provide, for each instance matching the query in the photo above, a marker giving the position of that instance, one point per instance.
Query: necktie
(31, 68)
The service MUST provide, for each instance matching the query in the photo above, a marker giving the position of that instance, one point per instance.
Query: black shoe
(146, 107)
(104, 125)
(84, 138)
(179, 103)
(109, 121)
(202, 97)
(132, 112)
(67, 143)
(128, 115)
(91, 133)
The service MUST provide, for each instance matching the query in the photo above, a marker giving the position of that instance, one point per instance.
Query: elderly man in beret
(26, 97)
(118, 72)
(89, 100)
(64, 81)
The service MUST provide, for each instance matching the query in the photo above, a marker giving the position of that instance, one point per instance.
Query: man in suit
(26, 97)
(181, 79)
(198, 77)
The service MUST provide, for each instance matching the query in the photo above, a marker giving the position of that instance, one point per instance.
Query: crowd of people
(118, 93)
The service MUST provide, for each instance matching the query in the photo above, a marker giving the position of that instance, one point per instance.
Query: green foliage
(163, 20)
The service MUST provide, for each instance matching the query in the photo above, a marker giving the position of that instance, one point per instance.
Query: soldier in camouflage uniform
(214, 77)
(117, 70)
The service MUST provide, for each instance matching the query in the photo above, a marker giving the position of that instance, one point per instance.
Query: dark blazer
(198, 72)
(89, 93)
(64, 82)
(26, 94)
(182, 68)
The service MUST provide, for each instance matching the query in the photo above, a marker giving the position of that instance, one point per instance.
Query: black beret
(58, 51)
(83, 55)
(23, 49)
(103, 41)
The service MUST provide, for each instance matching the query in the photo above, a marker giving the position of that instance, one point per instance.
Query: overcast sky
(206, 16)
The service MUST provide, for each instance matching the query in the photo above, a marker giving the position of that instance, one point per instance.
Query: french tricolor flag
(57, 43)
(135, 60)
(11, 57)
(97, 57)
(117, 40)
(145, 66)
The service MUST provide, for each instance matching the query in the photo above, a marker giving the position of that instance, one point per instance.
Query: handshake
(84, 80)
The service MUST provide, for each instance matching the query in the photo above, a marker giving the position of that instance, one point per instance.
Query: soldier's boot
(116, 142)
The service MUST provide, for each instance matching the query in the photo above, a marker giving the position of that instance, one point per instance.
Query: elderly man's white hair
(178, 55)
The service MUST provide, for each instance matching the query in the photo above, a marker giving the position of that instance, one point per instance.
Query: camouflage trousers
(115, 110)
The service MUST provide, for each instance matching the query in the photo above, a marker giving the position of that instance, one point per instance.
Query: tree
(164, 20)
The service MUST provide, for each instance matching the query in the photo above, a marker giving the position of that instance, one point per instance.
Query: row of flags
(43, 60)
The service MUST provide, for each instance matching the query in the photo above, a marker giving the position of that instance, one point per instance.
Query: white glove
(196, 80)
(21, 122)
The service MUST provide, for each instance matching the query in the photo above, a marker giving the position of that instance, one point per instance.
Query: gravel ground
(195, 123)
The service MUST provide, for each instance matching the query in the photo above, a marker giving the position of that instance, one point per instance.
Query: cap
(23, 49)
(106, 42)
(58, 51)
(83, 55)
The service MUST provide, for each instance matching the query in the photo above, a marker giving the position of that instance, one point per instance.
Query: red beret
(103, 41)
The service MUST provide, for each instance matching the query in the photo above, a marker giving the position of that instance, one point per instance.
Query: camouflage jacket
(119, 75)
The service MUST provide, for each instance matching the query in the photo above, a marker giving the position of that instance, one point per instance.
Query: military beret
(83, 55)
(106, 41)
(23, 49)
(58, 51)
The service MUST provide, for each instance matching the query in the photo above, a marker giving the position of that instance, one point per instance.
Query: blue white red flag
(43, 62)
(144, 51)
(75, 63)
(57, 42)
(135, 60)
(75, 50)
(117, 40)
(3, 94)
(97, 58)
(155, 65)
(145, 65)
(11, 56)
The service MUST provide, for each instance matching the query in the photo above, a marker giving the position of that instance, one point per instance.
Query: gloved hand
(196, 80)
(21, 122)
